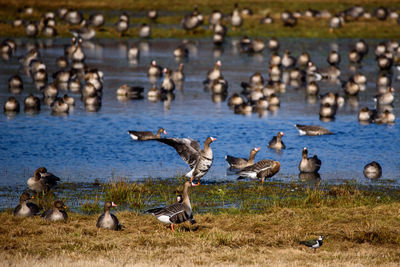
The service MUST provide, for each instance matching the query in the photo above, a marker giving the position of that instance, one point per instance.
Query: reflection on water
(92, 141)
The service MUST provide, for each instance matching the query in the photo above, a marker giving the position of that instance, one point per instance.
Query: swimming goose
(181, 51)
(312, 130)
(303, 59)
(313, 244)
(373, 170)
(57, 213)
(265, 168)
(178, 75)
(240, 163)
(31, 103)
(59, 106)
(108, 220)
(146, 135)
(167, 84)
(312, 88)
(333, 58)
(309, 164)
(199, 160)
(25, 208)
(215, 73)
(154, 70)
(366, 115)
(219, 86)
(385, 117)
(386, 98)
(131, 92)
(15, 84)
(273, 44)
(11, 105)
(276, 142)
(133, 52)
(176, 213)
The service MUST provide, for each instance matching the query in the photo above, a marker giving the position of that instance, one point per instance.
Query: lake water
(87, 145)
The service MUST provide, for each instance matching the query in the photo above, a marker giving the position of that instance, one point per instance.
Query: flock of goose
(258, 94)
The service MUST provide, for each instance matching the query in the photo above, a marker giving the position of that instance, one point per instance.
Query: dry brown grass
(354, 236)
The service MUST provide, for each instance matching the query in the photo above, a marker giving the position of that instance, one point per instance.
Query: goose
(303, 59)
(361, 47)
(11, 105)
(335, 23)
(146, 135)
(25, 208)
(152, 14)
(15, 83)
(144, 31)
(386, 98)
(265, 168)
(267, 19)
(133, 52)
(309, 164)
(42, 180)
(215, 17)
(219, 86)
(199, 160)
(131, 92)
(32, 102)
(167, 84)
(59, 106)
(176, 213)
(276, 142)
(240, 163)
(69, 100)
(385, 117)
(327, 111)
(193, 20)
(273, 44)
(312, 130)
(154, 70)
(313, 244)
(234, 100)
(366, 115)
(373, 170)
(312, 88)
(122, 24)
(214, 73)
(236, 18)
(96, 20)
(333, 58)
(154, 94)
(62, 62)
(288, 19)
(57, 213)
(74, 17)
(178, 75)
(31, 29)
(181, 51)
(108, 220)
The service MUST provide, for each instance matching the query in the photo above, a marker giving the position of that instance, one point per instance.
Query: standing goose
(240, 163)
(276, 142)
(146, 135)
(309, 164)
(57, 213)
(108, 220)
(265, 168)
(312, 130)
(178, 212)
(25, 208)
(199, 160)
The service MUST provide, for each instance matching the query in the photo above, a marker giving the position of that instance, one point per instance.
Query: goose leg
(193, 184)
(172, 227)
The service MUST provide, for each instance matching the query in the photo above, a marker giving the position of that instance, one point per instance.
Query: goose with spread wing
(199, 160)
(178, 212)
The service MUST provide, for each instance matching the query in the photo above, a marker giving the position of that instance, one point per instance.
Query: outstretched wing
(187, 148)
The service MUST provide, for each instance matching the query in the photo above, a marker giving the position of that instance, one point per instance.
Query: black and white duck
(176, 213)
(146, 135)
(265, 168)
(240, 163)
(107, 220)
(309, 164)
(25, 208)
(57, 213)
(199, 160)
(313, 244)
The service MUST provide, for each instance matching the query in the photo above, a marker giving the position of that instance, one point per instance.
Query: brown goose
(57, 213)
(276, 142)
(373, 170)
(176, 213)
(265, 168)
(108, 220)
(25, 208)
(199, 160)
(312, 130)
(146, 135)
(42, 180)
(240, 163)
(309, 164)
